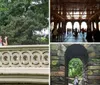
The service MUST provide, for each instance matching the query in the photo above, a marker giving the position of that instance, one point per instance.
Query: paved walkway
(70, 84)
(71, 38)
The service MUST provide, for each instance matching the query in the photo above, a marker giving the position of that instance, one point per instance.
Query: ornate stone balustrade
(24, 64)
(24, 56)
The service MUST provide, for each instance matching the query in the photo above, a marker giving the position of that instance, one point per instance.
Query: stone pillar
(80, 26)
(93, 25)
(54, 31)
(89, 25)
(64, 26)
(97, 26)
(72, 27)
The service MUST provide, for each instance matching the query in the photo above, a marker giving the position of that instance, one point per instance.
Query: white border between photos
(74, 42)
(49, 39)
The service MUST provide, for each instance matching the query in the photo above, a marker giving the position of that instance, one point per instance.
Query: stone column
(80, 26)
(64, 26)
(72, 27)
(97, 26)
(54, 31)
(89, 25)
(93, 25)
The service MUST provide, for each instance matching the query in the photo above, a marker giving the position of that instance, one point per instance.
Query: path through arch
(75, 51)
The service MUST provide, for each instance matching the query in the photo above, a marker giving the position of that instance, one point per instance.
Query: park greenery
(24, 21)
(75, 68)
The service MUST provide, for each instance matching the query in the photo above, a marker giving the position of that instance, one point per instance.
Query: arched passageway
(75, 69)
(62, 54)
(71, 53)
(68, 27)
(84, 25)
(76, 25)
(64, 11)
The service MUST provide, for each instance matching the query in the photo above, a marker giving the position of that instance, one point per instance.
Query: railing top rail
(24, 46)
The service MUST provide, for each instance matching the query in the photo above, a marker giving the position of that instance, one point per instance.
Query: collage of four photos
(49, 42)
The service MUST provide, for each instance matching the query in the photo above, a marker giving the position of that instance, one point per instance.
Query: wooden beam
(94, 16)
(59, 17)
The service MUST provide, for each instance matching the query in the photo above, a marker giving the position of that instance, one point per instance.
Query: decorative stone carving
(24, 57)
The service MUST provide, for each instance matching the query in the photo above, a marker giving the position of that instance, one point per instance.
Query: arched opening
(71, 53)
(76, 26)
(68, 27)
(95, 25)
(99, 25)
(51, 26)
(75, 68)
(57, 25)
(84, 25)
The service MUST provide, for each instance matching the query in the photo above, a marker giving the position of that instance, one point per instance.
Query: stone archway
(75, 51)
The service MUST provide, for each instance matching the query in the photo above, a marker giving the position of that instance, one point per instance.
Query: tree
(75, 67)
(23, 19)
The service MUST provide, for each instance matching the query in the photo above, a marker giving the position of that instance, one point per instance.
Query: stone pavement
(70, 84)
(71, 38)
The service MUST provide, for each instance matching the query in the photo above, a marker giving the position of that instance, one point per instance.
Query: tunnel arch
(75, 51)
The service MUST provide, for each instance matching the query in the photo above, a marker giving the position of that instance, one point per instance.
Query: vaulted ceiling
(75, 9)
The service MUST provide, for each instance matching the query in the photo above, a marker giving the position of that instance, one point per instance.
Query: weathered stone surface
(94, 77)
(60, 53)
(93, 81)
(54, 46)
(93, 72)
(90, 72)
(94, 67)
(92, 54)
(94, 62)
(53, 53)
(90, 49)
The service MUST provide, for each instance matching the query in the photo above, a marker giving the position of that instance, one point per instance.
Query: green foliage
(75, 67)
(22, 20)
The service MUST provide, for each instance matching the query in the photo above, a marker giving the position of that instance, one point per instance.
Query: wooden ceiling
(69, 7)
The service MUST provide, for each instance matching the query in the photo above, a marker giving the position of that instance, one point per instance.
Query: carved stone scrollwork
(15, 58)
(24, 58)
(45, 59)
(5, 58)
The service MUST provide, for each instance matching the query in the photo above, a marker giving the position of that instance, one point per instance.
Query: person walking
(76, 81)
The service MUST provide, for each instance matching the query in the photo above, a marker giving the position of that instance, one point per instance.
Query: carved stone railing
(24, 64)
(24, 56)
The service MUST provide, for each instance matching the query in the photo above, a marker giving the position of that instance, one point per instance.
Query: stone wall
(91, 70)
